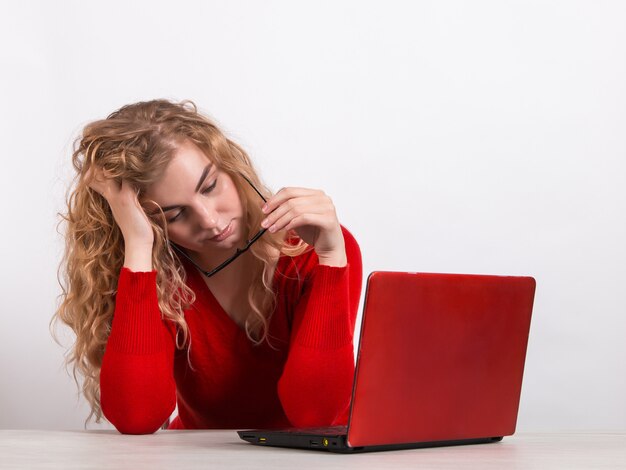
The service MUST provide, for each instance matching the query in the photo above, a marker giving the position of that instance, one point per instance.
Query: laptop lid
(441, 357)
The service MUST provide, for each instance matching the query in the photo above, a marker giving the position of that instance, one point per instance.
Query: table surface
(34, 449)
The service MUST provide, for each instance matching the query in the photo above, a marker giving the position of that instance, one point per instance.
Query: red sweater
(223, 380)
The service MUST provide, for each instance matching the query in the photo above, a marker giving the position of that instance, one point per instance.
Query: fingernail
(265, 223)
(264, 208)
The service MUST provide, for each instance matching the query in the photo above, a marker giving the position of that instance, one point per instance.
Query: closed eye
(210, 188)
(206, 190)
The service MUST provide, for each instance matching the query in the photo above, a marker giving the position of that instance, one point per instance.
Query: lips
(224, 233)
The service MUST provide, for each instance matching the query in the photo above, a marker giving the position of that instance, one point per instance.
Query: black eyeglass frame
(239, 251)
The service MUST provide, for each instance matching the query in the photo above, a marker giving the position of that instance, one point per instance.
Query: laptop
(440, 362)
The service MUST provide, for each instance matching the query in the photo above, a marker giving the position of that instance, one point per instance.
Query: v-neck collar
(202, 289)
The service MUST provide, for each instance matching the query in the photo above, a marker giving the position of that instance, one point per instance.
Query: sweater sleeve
(316, 383)
(137, 389)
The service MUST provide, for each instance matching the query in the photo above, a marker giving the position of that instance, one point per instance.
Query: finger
(321, 221)
(296, 204)
(285, 194)
(326, 211)
(102, 183)
(96, 180)
(96, 173)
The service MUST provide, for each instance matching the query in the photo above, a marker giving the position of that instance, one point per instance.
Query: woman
(188, 283)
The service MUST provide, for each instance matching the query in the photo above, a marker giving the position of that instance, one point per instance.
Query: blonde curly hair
(136, 143)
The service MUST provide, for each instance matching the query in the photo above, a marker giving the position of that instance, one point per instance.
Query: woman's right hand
(127, 212)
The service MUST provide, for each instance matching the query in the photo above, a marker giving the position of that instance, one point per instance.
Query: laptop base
(337, 442)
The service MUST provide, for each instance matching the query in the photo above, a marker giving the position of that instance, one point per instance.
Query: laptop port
(314, 443)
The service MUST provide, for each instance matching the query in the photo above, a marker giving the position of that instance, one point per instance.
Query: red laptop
(440, 362)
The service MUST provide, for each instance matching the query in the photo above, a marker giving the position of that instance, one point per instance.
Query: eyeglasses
(239, 251)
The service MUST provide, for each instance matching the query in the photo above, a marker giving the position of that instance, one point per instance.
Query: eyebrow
(205, 172)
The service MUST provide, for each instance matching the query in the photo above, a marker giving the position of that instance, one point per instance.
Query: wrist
(138, 256)
(337, 260)
(138, 242)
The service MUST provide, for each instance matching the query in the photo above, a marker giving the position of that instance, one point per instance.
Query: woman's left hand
(311, 213)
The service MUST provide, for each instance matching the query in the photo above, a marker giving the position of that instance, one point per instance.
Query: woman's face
(201, 204)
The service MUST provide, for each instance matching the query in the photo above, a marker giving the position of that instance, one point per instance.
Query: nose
(207, 216)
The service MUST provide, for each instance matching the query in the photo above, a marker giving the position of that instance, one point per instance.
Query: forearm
(136, 380)
(314, 388)
(316, 383)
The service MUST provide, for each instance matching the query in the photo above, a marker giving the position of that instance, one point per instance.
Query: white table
(223, 449)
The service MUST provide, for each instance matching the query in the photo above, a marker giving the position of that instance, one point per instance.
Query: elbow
(321, 395)
(133, 403)
(299, 419)
(136, 428)
(137, 423)
(303, 410)
(133, 418)
(316, 416)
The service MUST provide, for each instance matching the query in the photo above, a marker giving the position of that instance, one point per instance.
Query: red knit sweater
(223, 380)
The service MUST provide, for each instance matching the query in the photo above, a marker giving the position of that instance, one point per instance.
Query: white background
(453, 136)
